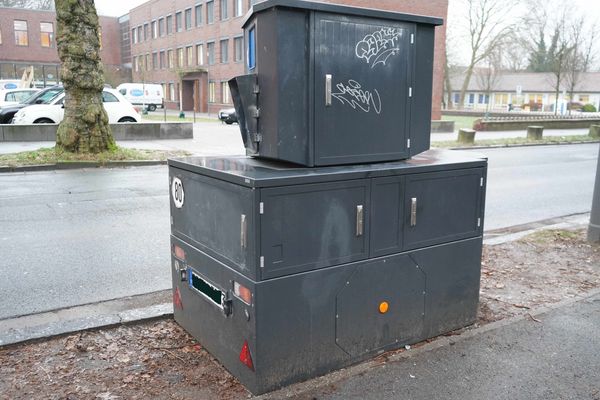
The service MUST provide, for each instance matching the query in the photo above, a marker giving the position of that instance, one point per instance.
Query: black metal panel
(453, 272)
(420, 122)
(314, 226)
(364, 65)
(213, 216)
(442, 206)
(361, 325)
(256, 173)
(222, 335)
(243, 91)
(387, 215)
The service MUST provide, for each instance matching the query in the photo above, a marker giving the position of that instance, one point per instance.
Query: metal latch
(359, 220)
(243, 231)
(328, 79)
(413, 211)
(256, 137)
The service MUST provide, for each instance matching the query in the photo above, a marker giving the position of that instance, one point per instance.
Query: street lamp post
(594, 227)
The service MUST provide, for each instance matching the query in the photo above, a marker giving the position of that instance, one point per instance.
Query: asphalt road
(81, 236)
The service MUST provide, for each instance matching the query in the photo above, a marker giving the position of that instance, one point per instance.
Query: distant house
(524, 91)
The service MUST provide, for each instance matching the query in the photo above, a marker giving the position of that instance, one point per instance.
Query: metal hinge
(256, 113)
(410, 92)
(412, 38)
(262, 261)
(408, 143)
(256, 89)
(478, 222)
(481, 182)
(256, 137)
(261, 208)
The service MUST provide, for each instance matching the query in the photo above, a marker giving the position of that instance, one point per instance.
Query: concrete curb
(81, 165)
(84, 317)
(499, 146)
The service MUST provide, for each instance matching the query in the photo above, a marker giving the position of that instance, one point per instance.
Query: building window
(146, 32)
(224, 46)
(148, 66)
(178, 22)
(161, 27)
(225, 93)
(189, 54)
(169, 24)
(139, 33)
(46, 34)
(170, 59)
(154, 30)
(162, 60)
(172, 91)
(471, 98)
(21, 38)
(200, 54)
(136, 65)
(155, 60)
(211, 92)
(223, 7)
(134, 37)
(180, 57)
(210, 12)
(238, 8)
(238, 48)
(188, 18)
(210, 49)
(0, 36)
(198, 10)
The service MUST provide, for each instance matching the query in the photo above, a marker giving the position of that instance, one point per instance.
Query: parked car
(44, 96)
(228, 115)
(15, 96)
(116, 106)
(143, 94)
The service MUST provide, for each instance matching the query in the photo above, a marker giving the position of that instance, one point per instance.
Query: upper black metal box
(332, 85)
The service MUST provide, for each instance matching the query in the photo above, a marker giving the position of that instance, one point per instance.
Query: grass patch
(174, 118)
(53, 155)
(516, 141)
(552, 235)
(460, 122)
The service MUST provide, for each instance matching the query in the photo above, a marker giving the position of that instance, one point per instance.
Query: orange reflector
(383, 307)
(245, 356)
(177, 299)
(242, 292)
(179, 253)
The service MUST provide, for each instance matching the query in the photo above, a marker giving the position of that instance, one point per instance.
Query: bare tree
(488, 77)
(487, 28)
(28, 4)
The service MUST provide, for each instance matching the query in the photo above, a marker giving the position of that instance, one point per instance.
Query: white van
(143, 94)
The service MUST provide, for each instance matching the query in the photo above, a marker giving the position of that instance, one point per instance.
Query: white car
(15, 96)
(116, 106)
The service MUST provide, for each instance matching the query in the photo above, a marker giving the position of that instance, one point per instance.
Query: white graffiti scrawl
(355, 96)
(377, 47)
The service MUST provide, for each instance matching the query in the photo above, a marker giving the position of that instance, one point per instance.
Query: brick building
(193, 47)
(28, 38)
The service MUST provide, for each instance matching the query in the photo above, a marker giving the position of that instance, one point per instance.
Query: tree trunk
(84, 128)
(465, 86)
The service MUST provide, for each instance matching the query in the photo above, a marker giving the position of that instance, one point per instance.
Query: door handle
(413, 211)
(328, 78)
(243, 231)
(359, 220)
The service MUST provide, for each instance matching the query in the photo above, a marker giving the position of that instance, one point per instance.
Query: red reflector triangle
(177, 299)
(245, 356)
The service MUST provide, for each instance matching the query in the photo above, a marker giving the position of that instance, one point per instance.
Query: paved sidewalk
(545, 356)
(214, 138)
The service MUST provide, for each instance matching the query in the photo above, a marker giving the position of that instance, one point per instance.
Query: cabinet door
(441, 207)
(313, 226)
(387, 215)
(361, 90)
